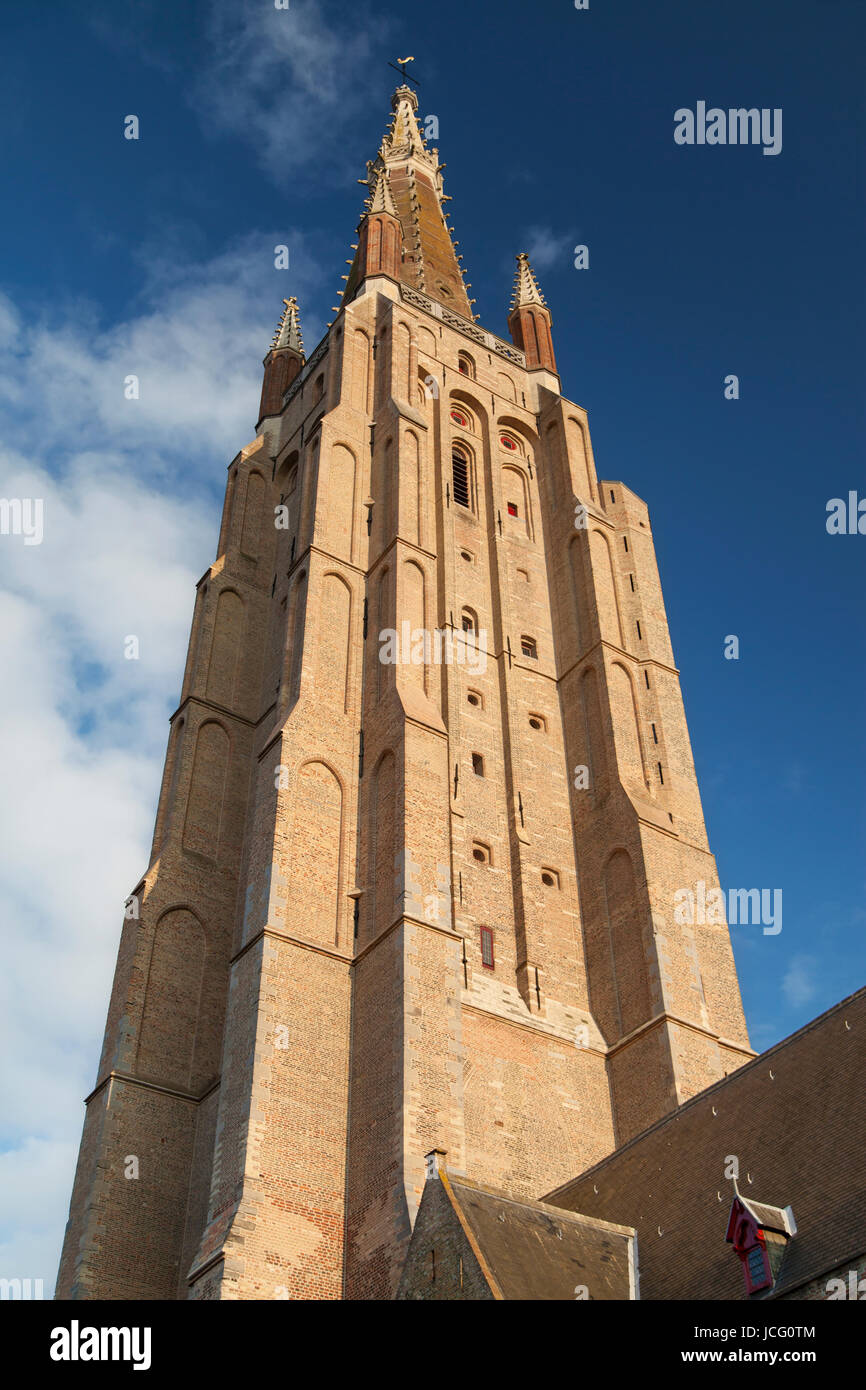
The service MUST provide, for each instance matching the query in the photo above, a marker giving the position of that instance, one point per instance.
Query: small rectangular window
(528, 647)
(512, 508)
(478, 764)
(487, 947)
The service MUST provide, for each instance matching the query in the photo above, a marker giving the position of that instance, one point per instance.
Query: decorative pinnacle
(288, 334)
(526, 289)
(381, 198)
(404, 138)
(404, 93)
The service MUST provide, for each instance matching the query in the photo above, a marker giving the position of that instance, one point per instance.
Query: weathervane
(400, 66)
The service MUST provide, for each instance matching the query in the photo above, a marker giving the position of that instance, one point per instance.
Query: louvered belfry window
(460, 476)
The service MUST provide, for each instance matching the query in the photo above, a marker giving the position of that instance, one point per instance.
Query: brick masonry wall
(305, 982)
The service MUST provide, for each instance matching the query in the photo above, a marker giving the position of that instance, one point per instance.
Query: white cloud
(132, 492)
(195, 345)
(34, 1182)
(546, 249)
(292, 82)
(798, 982)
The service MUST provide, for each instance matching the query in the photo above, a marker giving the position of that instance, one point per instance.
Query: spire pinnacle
(404, 134)
(284, 360)
(288, 334)
(381, 197)
(526, 289)
(529, 318)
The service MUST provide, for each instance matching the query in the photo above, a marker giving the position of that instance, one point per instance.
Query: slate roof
(794, 1117)
(534, 1251)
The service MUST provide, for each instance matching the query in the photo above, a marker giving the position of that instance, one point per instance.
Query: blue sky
(156, 257)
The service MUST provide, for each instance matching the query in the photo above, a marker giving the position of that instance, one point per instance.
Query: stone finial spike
(404, 133)
(526, 289)
(382, 199)
(288, 334)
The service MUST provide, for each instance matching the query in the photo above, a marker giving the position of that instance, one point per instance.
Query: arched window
(529, 647)
(460, 478)
(469, 621)
(459, 417)
(465, 364)
(509, 443)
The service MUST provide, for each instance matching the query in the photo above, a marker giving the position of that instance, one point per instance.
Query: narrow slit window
(655, 735)
(631, 582)
(661, 774)
(460, 478)
(487, 947)
(625, 541)
(639, 633)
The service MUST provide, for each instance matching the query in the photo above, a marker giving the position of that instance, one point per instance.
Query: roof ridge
(709, 1091)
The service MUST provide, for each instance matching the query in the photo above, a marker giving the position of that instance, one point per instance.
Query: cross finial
(400, 66)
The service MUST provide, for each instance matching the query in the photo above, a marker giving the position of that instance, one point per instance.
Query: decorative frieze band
(463, 325)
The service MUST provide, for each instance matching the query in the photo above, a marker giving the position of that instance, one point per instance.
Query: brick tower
(428, 797)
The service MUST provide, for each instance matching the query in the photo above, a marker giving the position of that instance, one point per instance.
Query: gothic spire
(529, 319)
(284, 360)
(526, 289)
(288, 334)
(405, 183)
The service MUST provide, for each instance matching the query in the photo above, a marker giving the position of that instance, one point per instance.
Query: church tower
(428, 799)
